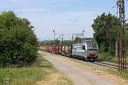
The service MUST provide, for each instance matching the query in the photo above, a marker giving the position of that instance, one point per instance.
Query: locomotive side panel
(77, 50)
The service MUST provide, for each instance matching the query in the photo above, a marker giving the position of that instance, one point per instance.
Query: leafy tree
(106, 32)
(76, 40)
(17, 41)
(66, 42)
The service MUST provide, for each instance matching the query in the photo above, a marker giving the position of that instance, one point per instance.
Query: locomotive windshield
(91, 45)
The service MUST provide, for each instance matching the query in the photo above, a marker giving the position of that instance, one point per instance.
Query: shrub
(18, 43)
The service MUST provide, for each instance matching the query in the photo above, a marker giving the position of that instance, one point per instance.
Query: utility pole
(54, 36)
(122, 36)
(83, 33)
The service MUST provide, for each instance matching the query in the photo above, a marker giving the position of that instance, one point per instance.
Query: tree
(65, 42)
(106, 32)
(17, 41)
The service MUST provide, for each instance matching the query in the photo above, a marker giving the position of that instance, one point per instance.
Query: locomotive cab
(91, 50)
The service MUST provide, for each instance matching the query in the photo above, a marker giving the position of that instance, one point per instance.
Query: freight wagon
(86, 50)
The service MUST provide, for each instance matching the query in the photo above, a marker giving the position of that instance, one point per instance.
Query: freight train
(87, 50)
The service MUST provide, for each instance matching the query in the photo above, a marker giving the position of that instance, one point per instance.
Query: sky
(64, 16)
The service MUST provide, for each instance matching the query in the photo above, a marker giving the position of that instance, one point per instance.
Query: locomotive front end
(91, 50)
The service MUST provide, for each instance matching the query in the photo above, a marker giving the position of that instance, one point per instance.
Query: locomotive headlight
(88, 54)
(96, 54)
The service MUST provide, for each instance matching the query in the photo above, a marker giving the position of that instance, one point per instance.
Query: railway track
(112, 64)
(100, 62)
(103, 63)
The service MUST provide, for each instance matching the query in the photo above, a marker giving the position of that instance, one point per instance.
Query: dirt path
(79, 75)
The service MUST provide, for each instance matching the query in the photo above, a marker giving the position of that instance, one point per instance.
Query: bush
(106, 56)
(18, 43)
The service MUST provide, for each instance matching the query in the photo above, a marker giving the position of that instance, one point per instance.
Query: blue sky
(63, 16)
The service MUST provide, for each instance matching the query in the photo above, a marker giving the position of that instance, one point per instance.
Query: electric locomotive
(86, 50)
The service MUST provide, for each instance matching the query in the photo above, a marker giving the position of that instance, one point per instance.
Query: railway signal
(54, 36)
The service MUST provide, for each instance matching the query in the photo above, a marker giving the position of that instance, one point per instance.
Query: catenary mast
(122, 36)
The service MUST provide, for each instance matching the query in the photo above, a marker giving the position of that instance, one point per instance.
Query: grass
(41, 70)
(107, 56)
(122, 73)
(21, 76)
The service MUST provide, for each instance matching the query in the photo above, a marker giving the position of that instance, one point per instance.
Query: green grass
(20, 76)
(26, 75)
(40, 70)
(122, 73)
(107, 56)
